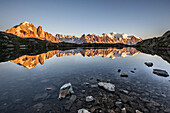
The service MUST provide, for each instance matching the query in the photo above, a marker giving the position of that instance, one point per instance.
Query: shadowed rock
(65, 90)
(149, 64)
(160, 72)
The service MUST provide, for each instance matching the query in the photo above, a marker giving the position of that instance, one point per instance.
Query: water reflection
(31, 61)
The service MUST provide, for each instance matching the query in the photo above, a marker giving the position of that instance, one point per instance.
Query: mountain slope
(162, 42)
(28, 30)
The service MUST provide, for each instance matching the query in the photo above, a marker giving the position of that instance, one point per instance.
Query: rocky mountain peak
(28, 30)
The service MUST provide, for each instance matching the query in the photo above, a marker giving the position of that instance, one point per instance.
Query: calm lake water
(23, 82)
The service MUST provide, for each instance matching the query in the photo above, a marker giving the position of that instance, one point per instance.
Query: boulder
(65, 90)
(107, 86)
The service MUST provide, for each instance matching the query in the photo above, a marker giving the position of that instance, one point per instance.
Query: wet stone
(98, 80)
(123, 75)
(40, 97)
(83, 111)
(107, 86)
(107, 81)
(38, 106)
(70, 102)
(124, 91)
(137, 111)
(123, 110)
(89, 99)
(83, 91)
(86, 83)
(118, 70)
(160, 72)
(132, 71)
(93, 86)
(65, 90)
(119, 104)
(48, 89)
(149, 64)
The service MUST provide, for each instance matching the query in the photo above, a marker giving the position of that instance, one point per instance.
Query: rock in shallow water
(149, 64)
(65, 90)
(132, 71)
(123, 110)
(83, 111)
(118, 70)
(160, 72)
(124, 91)
(107, 86)
(119, 104)
(89, 98)
(123, 75)
(70, 102)
(137, 111)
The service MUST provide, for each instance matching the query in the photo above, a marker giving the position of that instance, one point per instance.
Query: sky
(143, 18)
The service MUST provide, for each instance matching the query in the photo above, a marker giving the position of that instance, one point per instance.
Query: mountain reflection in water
(31, 61)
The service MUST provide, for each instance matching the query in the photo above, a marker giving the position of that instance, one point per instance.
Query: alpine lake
(65, 81)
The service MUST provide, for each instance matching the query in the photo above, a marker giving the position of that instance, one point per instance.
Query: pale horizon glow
(145, 19)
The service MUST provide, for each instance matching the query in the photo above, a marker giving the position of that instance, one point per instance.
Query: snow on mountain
(104, 38)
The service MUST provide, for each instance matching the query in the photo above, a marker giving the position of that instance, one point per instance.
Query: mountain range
(28, 30)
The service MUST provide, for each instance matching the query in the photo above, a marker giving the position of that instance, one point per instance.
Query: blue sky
(143, 18)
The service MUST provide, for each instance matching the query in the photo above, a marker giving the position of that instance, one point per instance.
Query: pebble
(89, 98)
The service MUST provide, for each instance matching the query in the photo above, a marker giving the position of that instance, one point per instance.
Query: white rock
(65, 90)
(6, 37)
(83, 111)
(137, 111)
(107, 86)
(123, 110)
(89, 98)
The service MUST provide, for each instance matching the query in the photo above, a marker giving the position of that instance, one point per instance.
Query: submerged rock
(123, 110)
(89, 98)
(119, 104)
(98, 80)
(118, 70)
(40, 97)
(123, 75)
(65, 90)
(86, 83)
(48, 89)
(132, 71)
(124, 91)
(38, 106)
(149, 64)
(160, 72)
(83, 111)
(70, 102)
(107, 86)
(137, 111)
